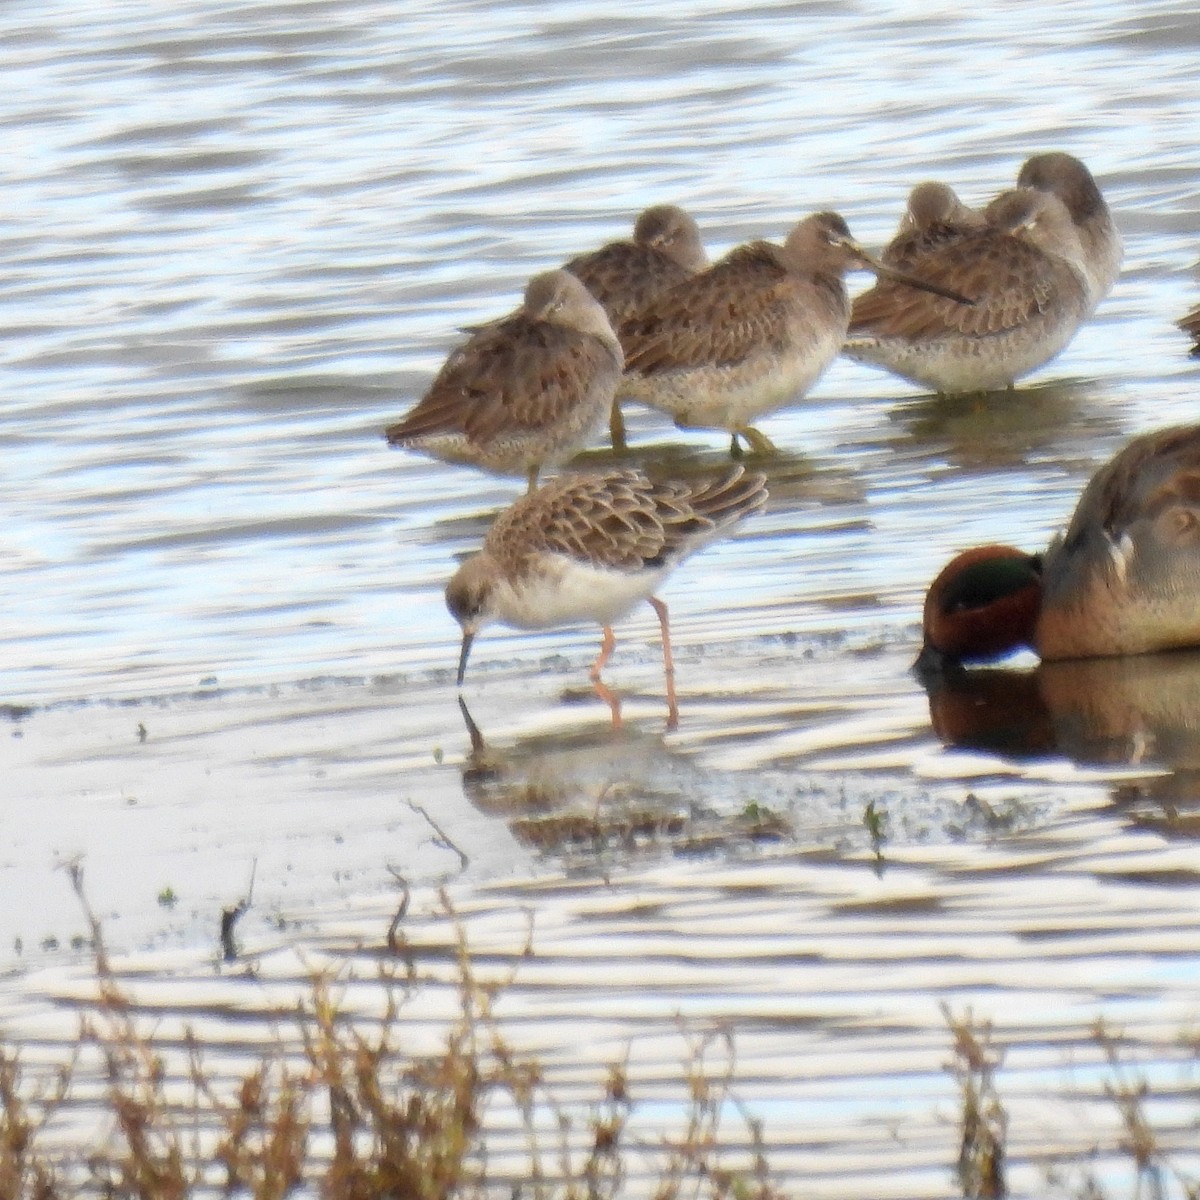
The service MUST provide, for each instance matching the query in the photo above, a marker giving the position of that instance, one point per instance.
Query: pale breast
(556, 589)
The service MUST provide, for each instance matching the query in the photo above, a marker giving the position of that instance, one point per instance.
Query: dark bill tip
(933, 663)
(473, 730)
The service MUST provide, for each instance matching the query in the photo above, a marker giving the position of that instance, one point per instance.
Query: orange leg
(668, 662)
(602, 690)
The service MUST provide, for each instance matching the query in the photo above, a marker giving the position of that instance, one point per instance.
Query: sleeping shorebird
(524, 392)
(589, 548)
(627, 275)
(934, 215)
(1066, 177)
(752, 333)
(1024, 269)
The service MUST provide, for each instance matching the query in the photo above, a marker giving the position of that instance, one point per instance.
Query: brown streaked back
(934, 216)
(760, 299)
(625, 276)
(1011, 278)
(727, 313)
(622, 519)
(523, 372)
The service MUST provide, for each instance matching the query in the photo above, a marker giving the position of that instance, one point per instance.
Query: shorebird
(1191, 326)
(1122, 579)
(1024, 270)
(524, 392)
(751, 334)
(588, 548)
(627, 275)
(1067, 178)
(934, 215)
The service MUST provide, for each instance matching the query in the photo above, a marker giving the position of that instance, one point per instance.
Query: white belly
(966, 364)
(729, 397)
(564, 591)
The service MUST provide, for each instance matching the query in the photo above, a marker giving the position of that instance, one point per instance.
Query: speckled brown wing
(739, 306)
(907, 249)
(511, 376)
(1156, 472)
(692, 512)
(625, 277)
(1011, 282)
(606, 519)
(622, 519)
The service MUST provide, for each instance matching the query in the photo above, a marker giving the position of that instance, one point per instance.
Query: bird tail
(730, 497)
(437, 415)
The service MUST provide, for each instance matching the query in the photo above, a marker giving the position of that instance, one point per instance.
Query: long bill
(468, 638)
(903, 277)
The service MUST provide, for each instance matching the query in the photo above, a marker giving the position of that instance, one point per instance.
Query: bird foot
(758, 443)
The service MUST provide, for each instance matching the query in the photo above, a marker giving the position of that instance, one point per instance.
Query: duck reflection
(994, 709)
(1137, 709)
(1133, 709)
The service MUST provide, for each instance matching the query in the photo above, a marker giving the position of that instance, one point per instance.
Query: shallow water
(239, 240)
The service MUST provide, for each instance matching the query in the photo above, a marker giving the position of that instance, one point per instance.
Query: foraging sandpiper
(590, 547)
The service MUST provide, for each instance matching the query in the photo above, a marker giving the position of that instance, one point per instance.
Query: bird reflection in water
(994, 709)
(1034, 421)
(586, 788)
(1134, 711)
(611, 791)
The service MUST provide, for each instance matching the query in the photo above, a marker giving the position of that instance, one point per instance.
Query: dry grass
(24, 1112)
(984, 1123)
(983, 1120)
(353, 1117)
(1155, 1174)
(353, 1114)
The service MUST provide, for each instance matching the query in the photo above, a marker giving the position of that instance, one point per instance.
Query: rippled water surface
(239, 239)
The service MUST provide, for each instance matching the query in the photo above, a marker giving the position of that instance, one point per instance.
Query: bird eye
(465, 604)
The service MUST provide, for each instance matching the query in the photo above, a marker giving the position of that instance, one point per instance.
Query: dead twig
(443, 837)
(397, 944)
(74, 870)
(231, 916)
